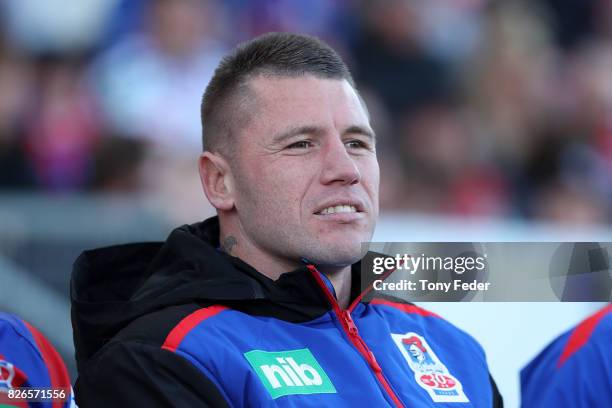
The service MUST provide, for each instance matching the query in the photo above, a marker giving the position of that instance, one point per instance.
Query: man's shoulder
(144, 335)
(589, 340)
(153, 328)
(602, 332)
(573, 370)
(424, 319)
(133, 368)
(12, 326)
(402, 305)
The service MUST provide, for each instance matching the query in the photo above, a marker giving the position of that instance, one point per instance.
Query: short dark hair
(272, 54)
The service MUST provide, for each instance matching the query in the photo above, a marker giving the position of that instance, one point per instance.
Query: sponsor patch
(290, 372)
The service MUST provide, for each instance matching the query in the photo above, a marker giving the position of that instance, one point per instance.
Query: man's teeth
(339, 209)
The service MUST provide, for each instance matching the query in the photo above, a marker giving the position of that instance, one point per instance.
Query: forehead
(280, 102)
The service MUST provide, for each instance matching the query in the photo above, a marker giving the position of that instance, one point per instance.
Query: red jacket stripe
(176, 335)
(581, 334)
(412, 309)
(58, 374)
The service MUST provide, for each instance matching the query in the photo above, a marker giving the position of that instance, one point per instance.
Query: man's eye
(356, 144)
(302, 144)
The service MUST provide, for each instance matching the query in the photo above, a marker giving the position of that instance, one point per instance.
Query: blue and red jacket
(182, 324)
(27, 359)
(575, 370)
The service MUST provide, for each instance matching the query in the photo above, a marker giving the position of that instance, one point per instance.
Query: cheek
(274, 190)
(371, 177)
(290, 180)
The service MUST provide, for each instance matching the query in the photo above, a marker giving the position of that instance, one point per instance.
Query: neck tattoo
(228, 244)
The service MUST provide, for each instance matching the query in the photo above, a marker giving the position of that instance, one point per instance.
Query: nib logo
(290, 372)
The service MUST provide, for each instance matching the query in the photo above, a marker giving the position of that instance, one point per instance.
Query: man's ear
(217, 180)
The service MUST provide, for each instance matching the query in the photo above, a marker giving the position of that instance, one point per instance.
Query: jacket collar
(120, 283)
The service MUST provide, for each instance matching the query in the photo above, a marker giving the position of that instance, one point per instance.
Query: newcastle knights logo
(10, 376)
(7, 374)
(429, 372)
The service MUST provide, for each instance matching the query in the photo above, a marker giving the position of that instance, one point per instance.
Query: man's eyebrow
(360, 130)
(294, 131)
(314, 130)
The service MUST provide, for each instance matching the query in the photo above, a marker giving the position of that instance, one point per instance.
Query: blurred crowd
(483, 108)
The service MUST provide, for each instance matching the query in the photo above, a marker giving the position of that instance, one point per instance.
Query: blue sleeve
(27, 359)
(583, 380)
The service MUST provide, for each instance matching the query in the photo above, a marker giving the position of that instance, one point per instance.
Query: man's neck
(341, 280)
(340, 277)
(271, 267)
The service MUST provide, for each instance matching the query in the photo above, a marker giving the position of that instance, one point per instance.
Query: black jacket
(128, 299)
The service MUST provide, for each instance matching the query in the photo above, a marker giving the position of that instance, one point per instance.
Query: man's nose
(338, 165)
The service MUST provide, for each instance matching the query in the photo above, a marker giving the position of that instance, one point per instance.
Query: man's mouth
(338, 209)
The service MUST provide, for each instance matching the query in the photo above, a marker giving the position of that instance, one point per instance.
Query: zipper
(349, 327)
(361, 346)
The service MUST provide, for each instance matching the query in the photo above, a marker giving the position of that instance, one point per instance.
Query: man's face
(306, 171)
(416, 352)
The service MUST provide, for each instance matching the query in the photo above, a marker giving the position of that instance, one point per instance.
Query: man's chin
(337, 256)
